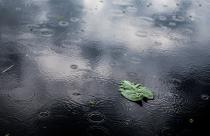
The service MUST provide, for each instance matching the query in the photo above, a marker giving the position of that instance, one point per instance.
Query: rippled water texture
(61, 62)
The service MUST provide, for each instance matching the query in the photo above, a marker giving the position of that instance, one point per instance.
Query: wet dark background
(61, 62)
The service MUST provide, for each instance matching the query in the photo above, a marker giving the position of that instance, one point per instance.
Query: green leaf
(134, 92)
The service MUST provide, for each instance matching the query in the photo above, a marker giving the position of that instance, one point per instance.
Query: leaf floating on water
(135, 92)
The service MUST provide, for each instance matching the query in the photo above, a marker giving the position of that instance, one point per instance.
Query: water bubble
(63, 23)
(46, 32)
(74, 19)
(204, 97)
(95, 117)
(74, 66)
(141, 34)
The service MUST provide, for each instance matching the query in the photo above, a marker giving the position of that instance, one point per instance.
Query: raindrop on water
(63, 23)
(132, 74)
(178, 18)
(44, 114)
(204, 97)
(162, 18)
(74, 19)
(76, 94)
(166, 132)
(96, 117)
(97, 131)
(132, 9)
(46, 32)
(141, 34)
(74, 66)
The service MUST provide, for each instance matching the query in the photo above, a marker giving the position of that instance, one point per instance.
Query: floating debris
(191, 121)
(7, 69)
(135, 92)
(92, 103)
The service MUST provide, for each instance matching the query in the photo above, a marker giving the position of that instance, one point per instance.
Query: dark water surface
(61, 62)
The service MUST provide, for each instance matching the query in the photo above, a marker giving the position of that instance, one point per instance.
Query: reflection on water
(61, 62)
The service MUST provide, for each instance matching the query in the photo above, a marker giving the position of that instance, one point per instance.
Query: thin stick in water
(7, 69)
